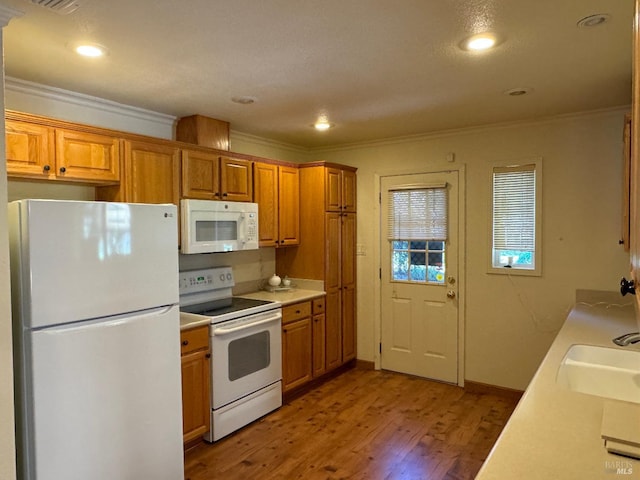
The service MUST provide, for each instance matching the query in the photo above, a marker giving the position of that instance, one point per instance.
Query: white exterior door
(419, 278)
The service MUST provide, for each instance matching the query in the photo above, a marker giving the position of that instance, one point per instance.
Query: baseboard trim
(477, 387)
(365, 365)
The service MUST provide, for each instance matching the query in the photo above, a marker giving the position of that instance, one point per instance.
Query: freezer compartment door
(84, 260)
(103, 400)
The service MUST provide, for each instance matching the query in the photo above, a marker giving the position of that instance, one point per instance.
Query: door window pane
(418, 261)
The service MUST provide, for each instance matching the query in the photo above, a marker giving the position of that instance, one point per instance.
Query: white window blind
(514, 208)
(418, 213)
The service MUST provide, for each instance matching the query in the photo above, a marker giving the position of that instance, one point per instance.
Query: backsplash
(250, 267)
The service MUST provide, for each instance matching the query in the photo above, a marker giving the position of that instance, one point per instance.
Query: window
(515, 219)
(417, 233)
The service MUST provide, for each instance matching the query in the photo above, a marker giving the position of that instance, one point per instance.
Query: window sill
(515, 272)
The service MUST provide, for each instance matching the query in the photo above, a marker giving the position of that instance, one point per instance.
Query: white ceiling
(377, 68)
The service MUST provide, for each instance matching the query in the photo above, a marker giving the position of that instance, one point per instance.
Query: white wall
(260, 147)
(510, 322)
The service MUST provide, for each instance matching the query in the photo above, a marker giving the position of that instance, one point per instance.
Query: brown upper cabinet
(208, 176)
(47, 152)
(277, 193)
(151, 174)
(340, 186)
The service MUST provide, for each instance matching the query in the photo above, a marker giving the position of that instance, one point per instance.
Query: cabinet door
(288, 206)
(348, 315)
(152, 173)
(195, 395)
(296, 353)
(29, 149)
(333, 326)
(319, 354)
(87, 157)
(348, 249)
(200, 178)
(348, 191)
(265, 177)
(348, 285)
(332, 260)
(626, 185)
(333, 189)
(236, 179)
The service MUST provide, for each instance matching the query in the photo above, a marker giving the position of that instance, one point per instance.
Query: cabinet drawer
(296, 311)
(194, 339)
(318, 305)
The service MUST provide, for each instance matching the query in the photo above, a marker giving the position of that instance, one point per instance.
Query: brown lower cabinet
(303, 343)
(195, 382)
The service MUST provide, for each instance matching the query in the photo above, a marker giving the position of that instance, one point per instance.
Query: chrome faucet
(627, 339)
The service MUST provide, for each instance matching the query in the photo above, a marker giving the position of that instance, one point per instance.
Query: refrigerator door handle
(106, 321)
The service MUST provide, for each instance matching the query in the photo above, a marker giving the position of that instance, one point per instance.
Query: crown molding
(617, 110)
(7, 13)
(247, 137)
(88, 101)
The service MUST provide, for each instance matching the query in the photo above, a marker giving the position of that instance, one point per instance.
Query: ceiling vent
(63, 7)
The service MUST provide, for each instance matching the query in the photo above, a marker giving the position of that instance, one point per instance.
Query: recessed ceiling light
(322, 124)
(244, 100)
(518, 92)
(594, 20)
(482, 41)
(90, 50)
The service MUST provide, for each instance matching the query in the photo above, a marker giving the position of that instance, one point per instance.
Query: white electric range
(246, 348)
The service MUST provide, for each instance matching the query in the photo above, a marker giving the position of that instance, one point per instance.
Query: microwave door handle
(219, 331)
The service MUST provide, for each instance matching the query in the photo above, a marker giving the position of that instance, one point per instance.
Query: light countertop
(190, 320)
(295, 295)
(286, 297)
(555, 432)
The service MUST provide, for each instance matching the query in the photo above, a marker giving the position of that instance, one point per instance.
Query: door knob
(451, 294)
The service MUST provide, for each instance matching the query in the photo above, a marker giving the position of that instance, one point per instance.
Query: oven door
(246, 356)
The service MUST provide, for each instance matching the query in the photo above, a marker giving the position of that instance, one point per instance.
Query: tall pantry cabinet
(327, 251)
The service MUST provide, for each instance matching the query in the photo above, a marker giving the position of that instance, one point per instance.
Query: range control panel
(217, 278)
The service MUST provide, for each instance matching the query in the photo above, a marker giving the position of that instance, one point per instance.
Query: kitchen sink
(606, 372)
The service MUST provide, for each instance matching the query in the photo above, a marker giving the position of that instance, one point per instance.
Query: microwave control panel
(252, 227)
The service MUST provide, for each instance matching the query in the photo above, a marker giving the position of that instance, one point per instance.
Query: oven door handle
(219, 331)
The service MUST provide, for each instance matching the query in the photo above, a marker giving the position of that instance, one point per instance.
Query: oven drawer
(194, 339)
(296, 311)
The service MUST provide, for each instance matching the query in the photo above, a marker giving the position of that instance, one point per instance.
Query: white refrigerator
(96, 340)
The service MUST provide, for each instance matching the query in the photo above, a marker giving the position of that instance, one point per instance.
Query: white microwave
(209, 226)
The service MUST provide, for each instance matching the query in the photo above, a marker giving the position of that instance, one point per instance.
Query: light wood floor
(363, 424)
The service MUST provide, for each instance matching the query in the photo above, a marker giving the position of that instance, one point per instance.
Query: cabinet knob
(63, 169)
(185, 342)
(208, 355)
(46, 168)
(225, 194)
(298, 311)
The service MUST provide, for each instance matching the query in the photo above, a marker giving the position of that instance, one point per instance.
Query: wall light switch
(360, 250)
